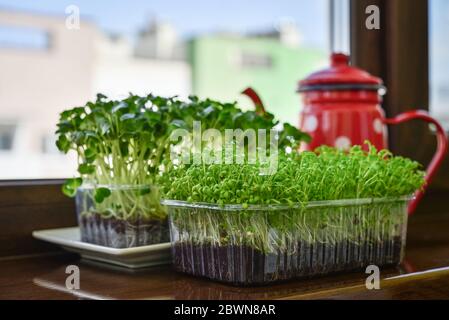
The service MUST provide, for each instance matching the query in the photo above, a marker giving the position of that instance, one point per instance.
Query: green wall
(217, 73)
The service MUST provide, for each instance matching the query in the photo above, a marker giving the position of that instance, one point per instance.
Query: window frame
(384, 53)
(399, 54)
(28, 205)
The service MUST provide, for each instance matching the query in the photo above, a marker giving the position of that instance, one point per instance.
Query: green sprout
(127, 143)
(326, 174)
(365, 195)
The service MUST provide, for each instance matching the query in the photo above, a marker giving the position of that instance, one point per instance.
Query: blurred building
(46, 68)
(159, 41)
(270, 62)
(121, 68)
(40, 76)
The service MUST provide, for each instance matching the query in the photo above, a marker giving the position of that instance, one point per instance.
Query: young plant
(322, 211)
(127, 143)
(326, 174)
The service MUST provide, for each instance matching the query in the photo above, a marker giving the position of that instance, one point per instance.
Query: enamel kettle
(342, 108)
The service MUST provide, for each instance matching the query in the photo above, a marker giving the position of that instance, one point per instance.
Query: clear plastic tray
(127, 218)
(263, 244)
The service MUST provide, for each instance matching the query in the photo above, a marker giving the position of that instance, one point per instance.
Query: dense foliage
(275, 214)
(127, 142)
(325, 174)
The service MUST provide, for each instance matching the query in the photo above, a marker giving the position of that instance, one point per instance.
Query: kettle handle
(442, 148)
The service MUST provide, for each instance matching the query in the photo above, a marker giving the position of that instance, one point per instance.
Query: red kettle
(342, 108)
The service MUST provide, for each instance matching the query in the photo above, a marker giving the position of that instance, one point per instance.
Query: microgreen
(127, 142)
(326, 174)
(283, 218)
(70, 186)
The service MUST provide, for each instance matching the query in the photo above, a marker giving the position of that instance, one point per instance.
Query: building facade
(70, 66)
(66, 68)
(224, 65)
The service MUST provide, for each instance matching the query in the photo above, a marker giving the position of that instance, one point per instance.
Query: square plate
(135, 257)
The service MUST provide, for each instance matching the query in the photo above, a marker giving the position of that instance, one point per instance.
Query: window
(7, 132)
(164, 47)
(23, 37)
(254, 60)
(439, 59)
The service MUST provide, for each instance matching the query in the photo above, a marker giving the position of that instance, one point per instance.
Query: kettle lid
(340, 76)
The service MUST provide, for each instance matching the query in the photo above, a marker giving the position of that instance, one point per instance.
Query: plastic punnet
(130, 216)
(263, 244)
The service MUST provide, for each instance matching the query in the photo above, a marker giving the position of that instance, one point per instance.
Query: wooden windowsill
(425, 274)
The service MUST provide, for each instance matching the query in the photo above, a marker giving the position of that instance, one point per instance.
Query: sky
(194, 16)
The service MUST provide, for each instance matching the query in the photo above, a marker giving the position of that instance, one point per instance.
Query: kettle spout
(249, 92)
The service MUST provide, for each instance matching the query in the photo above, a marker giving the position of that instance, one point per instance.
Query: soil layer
(118, 233)
(244, 265)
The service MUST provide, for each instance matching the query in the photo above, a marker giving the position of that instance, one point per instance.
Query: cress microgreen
(326, 174)
(283, 217)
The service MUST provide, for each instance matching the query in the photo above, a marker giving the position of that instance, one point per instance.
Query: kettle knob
(339, 60)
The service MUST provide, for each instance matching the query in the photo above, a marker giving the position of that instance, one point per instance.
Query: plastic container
(263, 244)
(130, 216)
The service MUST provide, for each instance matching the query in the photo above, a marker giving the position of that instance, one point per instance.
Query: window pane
(207, 48)
(339, 26)
(20, 37)
(7, 132)
(439, 60)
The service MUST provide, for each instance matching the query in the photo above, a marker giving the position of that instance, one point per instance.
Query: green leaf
(85, 168)
(144, 190)
(70, 185)
(152, 116)
(63, 143)
(178, 123)
(121, 105)
(90, 153)
(132, 126)
(79, 137)
(103, 124)
(237, 116)
(127, 116)
(100, 96)
(101, 194)
(207, 111)
(65, 126)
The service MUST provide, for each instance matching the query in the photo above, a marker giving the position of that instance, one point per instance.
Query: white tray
(136, 257)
